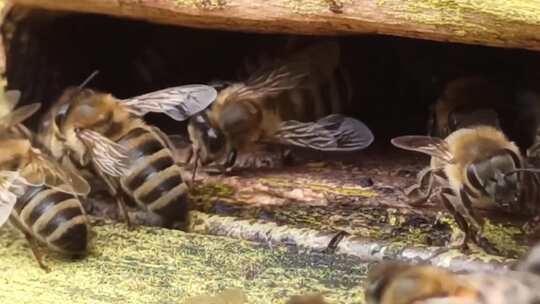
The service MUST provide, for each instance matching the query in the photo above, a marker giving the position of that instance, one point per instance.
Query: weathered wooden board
(165, 266)
(511, 23)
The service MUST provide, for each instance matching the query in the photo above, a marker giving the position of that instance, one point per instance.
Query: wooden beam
(152, 266)
(512, 23)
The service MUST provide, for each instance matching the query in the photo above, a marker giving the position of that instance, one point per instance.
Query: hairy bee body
(474, 167)
(396, 283)
(276, 103)
(53, 217)
(151, 177)
(466, 102)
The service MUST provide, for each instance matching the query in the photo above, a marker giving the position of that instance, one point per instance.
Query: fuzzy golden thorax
(14, 152)
(98, 112)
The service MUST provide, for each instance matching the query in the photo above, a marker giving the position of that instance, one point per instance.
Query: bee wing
(292, 72)
(43, 170)
(179, 103)
(331, 133)
(7, 202)
(7, 197)
(432, 146)
(19, 115)
(12, 98)
(108, 156)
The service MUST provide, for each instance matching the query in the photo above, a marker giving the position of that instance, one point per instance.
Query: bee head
(80, 109)
(209, 142)
(240, 122)
(497, 178)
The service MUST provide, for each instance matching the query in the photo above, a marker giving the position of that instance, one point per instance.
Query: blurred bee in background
(290, 102)
(400, 283)
(37, 195)
(464, 102)
(94, 129)
(476, 165)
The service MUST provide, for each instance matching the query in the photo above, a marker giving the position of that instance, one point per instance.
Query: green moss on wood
(464, 17)
(165, 266)
(205, 4)
(503, 237)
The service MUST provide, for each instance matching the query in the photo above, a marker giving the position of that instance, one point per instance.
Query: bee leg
(35, 251)
(460, 207)
(112, 188)
(287, 157)
(231, 158)
(419, 193)
(189, 155)
(448, 198)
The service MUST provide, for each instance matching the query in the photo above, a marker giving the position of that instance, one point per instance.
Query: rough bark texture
(366, 250)
(512, 23)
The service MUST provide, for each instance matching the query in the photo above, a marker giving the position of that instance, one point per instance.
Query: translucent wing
(19, 115)
(12, 98)
(179, 103)
(308, 65)
(108, 156)
(43, 170)
(7, 196)
(272, 80)
(432, 146)
(331, 133)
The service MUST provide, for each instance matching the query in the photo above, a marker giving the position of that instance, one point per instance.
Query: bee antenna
(88, 79)
(533, 170)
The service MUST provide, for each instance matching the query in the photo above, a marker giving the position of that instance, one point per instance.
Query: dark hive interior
(395, 81)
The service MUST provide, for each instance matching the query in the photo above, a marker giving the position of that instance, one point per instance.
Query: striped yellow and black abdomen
(317, 98)
(155, 180)
(52, 217)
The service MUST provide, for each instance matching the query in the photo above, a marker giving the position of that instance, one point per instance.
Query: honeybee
(466, 102)
(476, 167)
(94, 129)
(400, 283)
(288, 101)
(476, 164)
(37, 195)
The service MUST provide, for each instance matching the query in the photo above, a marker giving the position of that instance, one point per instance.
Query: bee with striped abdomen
(106, 133)
(476, 165)
(37, 195)
(293, 101)
(400, 283)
